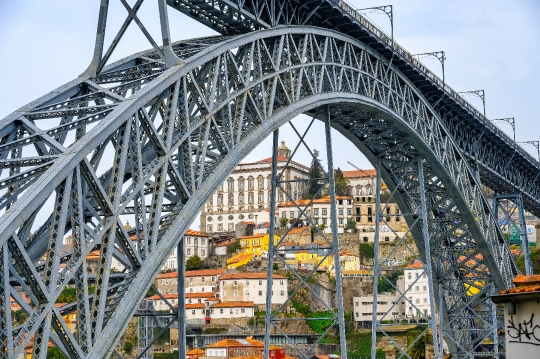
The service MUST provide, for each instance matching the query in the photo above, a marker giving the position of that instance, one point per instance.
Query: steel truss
(149, 140)
(277, 319)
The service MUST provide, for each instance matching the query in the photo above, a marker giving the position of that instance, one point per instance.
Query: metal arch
(212, 153)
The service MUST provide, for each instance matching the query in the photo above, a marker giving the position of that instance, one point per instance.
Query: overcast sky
(490, 44)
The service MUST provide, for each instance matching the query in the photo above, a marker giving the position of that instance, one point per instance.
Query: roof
(298, 230)
(259, 275)
(360, 173)
(168, 275)
(194, 306)
(232, 304)
(527, 289)
(254, 236)
(248, 342)
(200, 295)
(197, 351)
(166, 296)
(204, 272)
(292, 244)
(223, 244)
(194, 233)
(239, 258)
(415, 265)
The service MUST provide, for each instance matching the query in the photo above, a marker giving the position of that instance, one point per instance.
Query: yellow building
(311, 260)
(239, 260)
(256, 244)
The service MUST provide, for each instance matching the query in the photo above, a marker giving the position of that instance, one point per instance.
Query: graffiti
(524, 333)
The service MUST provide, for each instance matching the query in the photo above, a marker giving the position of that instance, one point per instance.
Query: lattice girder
(177, 134)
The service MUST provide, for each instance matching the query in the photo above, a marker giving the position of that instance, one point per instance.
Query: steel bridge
(154, 134)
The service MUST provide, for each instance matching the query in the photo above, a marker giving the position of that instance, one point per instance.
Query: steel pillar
(325, 251)
(509, 210)
(181, 309)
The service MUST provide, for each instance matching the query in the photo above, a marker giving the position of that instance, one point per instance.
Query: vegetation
(535, 261)
(351, 224)
(128, 347)
(275, 266)
(341, 183)
(283, 222)
(69, 295)
(385, 286)
(318, 326)
(194, 263)
(19, 316)
(418, 349)
(385, 197)
(367, 251)
(55, 353)
(233, 247)
(173, 355)
(315, 171)
(359, 345)
(214, 330)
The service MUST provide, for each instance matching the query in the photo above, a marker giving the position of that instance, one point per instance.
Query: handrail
(349, 9)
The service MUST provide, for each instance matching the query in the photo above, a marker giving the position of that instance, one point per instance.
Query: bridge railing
(400, 50)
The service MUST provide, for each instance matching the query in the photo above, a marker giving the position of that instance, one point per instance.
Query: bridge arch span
(176, 135)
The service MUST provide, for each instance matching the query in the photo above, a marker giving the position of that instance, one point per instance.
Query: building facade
(246, 194)
(389, 307)
(195, 243)
(417, 280)
(319, 211)
(197, 281)
(251, 287)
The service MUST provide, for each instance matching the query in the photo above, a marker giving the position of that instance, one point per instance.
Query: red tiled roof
(194, 306)
(166, 296)
(525, 280)
(204, 272)
(225, 343)
(259, 275)
(168, 275)
(239, 258)
(525, 289)
(254, 236)
(252, 223)
(232, 304)
(298, 230)
(200, 295)
(415, 265)
(194, 233)
(359, 173)
(288, 243)
(196, 351)
(279, 158)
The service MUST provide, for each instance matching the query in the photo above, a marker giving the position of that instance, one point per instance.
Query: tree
(283, 222)
(275, 266)
(315, 171)
(194, 263)
(128, 347)
(55, 353)
(351, 224)
(341, 183)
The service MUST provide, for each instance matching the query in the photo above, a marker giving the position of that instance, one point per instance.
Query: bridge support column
(323, 253)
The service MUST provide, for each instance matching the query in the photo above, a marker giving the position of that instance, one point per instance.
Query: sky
(490, 44)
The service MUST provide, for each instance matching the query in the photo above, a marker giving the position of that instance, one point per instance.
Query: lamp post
(535, 144)
(511, 121)
(439, 55)
(389, 11)
(477, 93)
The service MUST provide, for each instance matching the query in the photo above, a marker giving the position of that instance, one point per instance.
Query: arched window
(240, 183)
(231, 199)
(358, 190)
(250, 198)
(220, 199)
(230, 184)
(261, 196)
(269, 182)
(240, 198)
(250, 182)
(260, 181)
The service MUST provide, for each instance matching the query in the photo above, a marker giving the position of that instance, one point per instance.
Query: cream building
(246, 194)
(389, 307)
(320, 211)
(197, 281)
(232, 310)
(251, 287)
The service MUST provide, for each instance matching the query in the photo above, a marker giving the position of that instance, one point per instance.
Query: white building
(417, 280)
(320, 210)
(232, 310)
(245, 195)
(389, 307)
(251, 287)
(195, 243)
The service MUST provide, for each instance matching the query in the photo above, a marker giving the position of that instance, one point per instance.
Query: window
(324, 212)
(260, 181)
(196, 242)
(209, 228)
(213, 279)
(409, 276)
(417, 288)
(425, 300)
(203, 253)
(220, 227)
(231, 312)
(235, 293)
(202, 279)
(243, 310)
(425, 288)
(260, 293)
(193, 312)
(282, 293)
(365, 239)
(247, 292)
(221, 311)
(283, 214)
(250, 183)
(211, 311)
(341, 212)
(241, 183)
(281, 282)
(188, 240)
(316, 212)
(188, 251)
(235, 283)
(191, 290)
(417, 300)
(247, 282)
(341, 221)
(356, 304)
(189, 301)
(349, 212)
(260, 282)
(291, 213)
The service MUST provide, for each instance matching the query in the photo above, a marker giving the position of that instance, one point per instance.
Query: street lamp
(389, 11)
(511, 121)
(535, 144)
(439, 55)
(478, 93)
